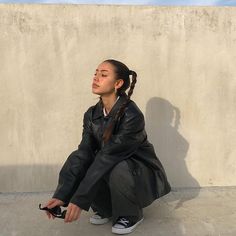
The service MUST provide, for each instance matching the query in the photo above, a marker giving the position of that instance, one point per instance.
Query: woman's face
(104, 80)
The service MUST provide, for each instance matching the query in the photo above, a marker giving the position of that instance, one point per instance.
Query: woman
(115, 170)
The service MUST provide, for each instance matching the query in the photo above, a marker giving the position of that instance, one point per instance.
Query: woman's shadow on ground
(162, 124)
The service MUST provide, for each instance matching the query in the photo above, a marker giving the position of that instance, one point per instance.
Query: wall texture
(185, 61)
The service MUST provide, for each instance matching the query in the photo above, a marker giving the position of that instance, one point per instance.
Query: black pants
(116, 195)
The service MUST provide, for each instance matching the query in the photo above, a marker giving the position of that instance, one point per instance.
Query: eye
(104, 75)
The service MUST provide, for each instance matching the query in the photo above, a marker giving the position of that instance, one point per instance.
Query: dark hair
(122, 72)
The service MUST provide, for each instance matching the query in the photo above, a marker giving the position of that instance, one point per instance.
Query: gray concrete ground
(200, 212)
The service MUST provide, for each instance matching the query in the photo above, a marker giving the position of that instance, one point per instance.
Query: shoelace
(123, 221)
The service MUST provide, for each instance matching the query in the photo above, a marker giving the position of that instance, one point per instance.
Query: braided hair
(122, 72)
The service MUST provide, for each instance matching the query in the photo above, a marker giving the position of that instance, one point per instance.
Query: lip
(95, 85)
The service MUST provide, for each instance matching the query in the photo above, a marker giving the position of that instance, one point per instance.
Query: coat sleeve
(121, 146)
(77, 163)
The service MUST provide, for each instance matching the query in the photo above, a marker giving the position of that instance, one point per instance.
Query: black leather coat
(80, 175)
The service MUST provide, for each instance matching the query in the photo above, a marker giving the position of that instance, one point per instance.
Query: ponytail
(108, 131)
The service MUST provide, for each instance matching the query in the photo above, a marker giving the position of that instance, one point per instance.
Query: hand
(73, 213)
(52, 203)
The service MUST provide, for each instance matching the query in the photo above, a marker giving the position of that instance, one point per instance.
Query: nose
(95, 78)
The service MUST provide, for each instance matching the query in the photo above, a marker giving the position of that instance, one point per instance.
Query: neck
(108, 101)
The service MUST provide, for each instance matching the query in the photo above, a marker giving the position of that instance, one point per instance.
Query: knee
(72, 165)
(120, 175)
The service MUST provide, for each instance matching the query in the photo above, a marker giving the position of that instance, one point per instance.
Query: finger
(52, 204)
(76, 215)
(49, 202)
(55, 202)
(48, 214)
(72, 214)
(51, 216)
(67, 214)
(45, 205)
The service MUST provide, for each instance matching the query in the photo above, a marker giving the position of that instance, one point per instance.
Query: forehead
(105, 67)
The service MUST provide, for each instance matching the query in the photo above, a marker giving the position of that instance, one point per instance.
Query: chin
(98, 93)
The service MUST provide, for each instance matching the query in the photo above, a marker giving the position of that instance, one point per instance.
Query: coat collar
(98, 109)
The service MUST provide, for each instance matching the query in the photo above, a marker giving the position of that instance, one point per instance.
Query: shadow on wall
(162, 122)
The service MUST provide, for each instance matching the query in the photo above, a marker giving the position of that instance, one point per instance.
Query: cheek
(108, 84)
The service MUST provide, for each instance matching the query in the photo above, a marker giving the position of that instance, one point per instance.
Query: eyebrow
(101, 70)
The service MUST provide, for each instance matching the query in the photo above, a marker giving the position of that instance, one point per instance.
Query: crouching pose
(115, 170)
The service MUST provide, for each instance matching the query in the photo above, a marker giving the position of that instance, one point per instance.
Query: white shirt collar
(104, 110)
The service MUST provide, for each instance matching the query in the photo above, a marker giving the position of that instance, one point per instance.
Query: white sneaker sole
(127, 230)
(98, 221)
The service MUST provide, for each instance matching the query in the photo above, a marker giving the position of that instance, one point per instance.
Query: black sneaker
(124, 225)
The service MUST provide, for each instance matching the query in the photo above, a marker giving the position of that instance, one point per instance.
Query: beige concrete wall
(185, 61)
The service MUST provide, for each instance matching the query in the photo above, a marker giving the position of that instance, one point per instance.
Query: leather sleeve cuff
(57, 195)
(81, 202)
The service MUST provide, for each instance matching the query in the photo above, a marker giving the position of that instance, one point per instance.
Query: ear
(119, 83)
